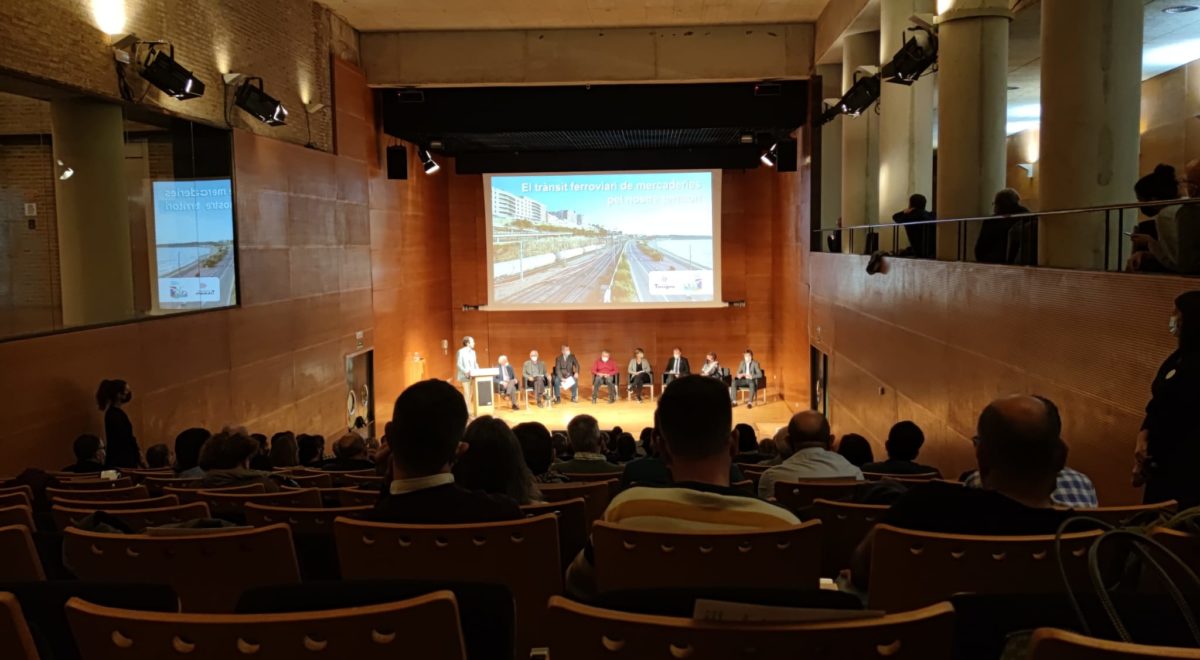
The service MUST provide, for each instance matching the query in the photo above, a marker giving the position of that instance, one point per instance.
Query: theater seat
(425, 627)
(19, 560)
(1055, 644)
(16, 642)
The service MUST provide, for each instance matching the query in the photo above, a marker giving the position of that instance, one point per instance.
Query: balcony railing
(1116, 220)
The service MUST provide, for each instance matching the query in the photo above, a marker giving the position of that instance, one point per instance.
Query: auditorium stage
(633, 416)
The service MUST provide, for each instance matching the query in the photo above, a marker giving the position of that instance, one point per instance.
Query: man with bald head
(1020, 453)
(810, 440)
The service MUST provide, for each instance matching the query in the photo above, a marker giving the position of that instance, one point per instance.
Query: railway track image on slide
(582, 280)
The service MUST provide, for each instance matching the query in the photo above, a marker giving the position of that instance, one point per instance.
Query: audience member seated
(626, 449)
(350, 453)
(646, 441)
(1072, 488)
(810, 440)
(225, 459)
(696, 439)
(538, 450)
(312, 449)
(748, 451)
(1164, 242)
(782, 449)
(187, 452)
(262, 459)
(903, 444)
(428, 423)
(652, 469)
(562, 447)
(922, 239)
(584, 434)
(768, 449)
(284, 450)
(993, 245)
(89, 455)
(856, 449)
(493, 462)
(159, 456)
(1019, 454)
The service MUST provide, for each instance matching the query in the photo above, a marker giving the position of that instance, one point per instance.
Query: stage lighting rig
(918, 53)
(858, 98)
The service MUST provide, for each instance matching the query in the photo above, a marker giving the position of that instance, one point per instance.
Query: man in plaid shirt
(1073, 489)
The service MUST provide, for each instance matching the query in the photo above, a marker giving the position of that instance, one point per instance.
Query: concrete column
(972, 95)
(831, 152)
(1091, 101)
(93, 217)
(860, 144)
(905, 119)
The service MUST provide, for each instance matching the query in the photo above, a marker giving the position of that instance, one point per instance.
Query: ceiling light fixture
(428, 162)
(259, 104)
(1179, 9)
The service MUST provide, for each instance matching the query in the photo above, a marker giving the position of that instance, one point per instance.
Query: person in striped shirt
(695, 434)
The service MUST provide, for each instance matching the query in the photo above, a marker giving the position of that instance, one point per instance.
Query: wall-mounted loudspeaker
(397, 161)
(786, 151)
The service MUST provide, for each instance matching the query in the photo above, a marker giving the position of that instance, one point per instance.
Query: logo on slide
(189, 289)
(680, 282)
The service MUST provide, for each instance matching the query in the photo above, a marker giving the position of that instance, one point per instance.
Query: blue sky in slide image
(645, 203)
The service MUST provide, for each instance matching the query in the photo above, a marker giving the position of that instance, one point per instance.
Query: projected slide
(193, 243)
(603, 240)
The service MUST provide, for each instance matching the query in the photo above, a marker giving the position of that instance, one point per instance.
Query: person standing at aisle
(464, 365)
(121, 447)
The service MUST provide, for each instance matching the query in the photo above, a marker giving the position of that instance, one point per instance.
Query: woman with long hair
(494, 462)
(285, 451)
(1167, 453)
(120, 445)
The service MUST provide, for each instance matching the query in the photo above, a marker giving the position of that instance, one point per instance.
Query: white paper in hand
(568, 382)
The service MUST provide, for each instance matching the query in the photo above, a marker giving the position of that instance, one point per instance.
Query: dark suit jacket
(506, 371)
(684, 369)
(449, 504)
(568, 366)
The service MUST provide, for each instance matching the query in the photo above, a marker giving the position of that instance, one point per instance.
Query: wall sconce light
(1028, 167)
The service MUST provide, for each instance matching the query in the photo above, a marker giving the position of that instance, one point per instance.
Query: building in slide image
(516, 207)
(569, 217)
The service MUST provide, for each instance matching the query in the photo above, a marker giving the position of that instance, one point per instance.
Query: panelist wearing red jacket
(604, 372)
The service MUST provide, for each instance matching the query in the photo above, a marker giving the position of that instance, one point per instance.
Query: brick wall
(286, 42)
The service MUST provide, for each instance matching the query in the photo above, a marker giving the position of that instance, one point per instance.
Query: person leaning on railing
(1169, 241)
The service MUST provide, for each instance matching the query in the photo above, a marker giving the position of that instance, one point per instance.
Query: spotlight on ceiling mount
(918, 53)
(161, 70)
(428, 162)
(858, 98)
(770, 157)
(258, 103)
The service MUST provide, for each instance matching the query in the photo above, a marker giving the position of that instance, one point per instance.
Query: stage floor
(633, 416)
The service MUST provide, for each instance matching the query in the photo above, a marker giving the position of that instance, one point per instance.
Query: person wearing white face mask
(604, 372)
(1167, 453)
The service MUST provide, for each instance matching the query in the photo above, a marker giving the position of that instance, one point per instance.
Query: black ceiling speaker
(397, 162)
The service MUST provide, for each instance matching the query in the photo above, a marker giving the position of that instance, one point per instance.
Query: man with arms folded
(748, 373)
(604, 372)
(677, 367)
(506, 381)
(694, 432)
(566, 366)
(811, 443)
(534, 373)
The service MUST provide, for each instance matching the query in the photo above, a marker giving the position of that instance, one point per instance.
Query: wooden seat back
(1055, 644)
(572, 524)
(137, 519)
(157, 485)
(192, 494)
(1119, 515)
(302, 520)
(223, 503)
(596, 493)
(112, 505)
(911, 569)
(16, 642)
(104, 495)
(94, 484)
(358, 497)
(796, 495)
(774, 559)
(589, 477)
(19, 561)
(17, 515)
(23, 489)
(583, 632)
(522, 555)
(425, 627)
(843, 526)
(208, 571)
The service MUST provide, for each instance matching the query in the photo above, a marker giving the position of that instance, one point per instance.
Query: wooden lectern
(481, 387)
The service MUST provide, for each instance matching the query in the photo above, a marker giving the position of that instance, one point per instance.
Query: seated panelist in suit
(747, 375)
(604, 372)
(565, 366)
(640, 373)
(506, 380)
(677, 367)
(711, 368)
(534, 373)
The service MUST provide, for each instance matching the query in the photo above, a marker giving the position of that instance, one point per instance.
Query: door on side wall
(819, 362)
(360, 393)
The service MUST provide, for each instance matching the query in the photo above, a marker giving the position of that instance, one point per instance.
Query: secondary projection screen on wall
(608, 240)
(194, 257)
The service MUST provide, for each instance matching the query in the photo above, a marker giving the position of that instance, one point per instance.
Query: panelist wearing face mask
(1167, 454)
(604, 372)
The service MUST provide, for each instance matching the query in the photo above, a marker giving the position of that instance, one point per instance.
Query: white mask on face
(604, 359)
(1173, 326)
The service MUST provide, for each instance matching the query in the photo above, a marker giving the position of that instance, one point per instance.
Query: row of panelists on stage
(546, 381)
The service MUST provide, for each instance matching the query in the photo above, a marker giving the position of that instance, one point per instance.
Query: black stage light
(259, 104)
(428, 162)
(918, 53)
(161, 70)
(857, 99)
(770, 157)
